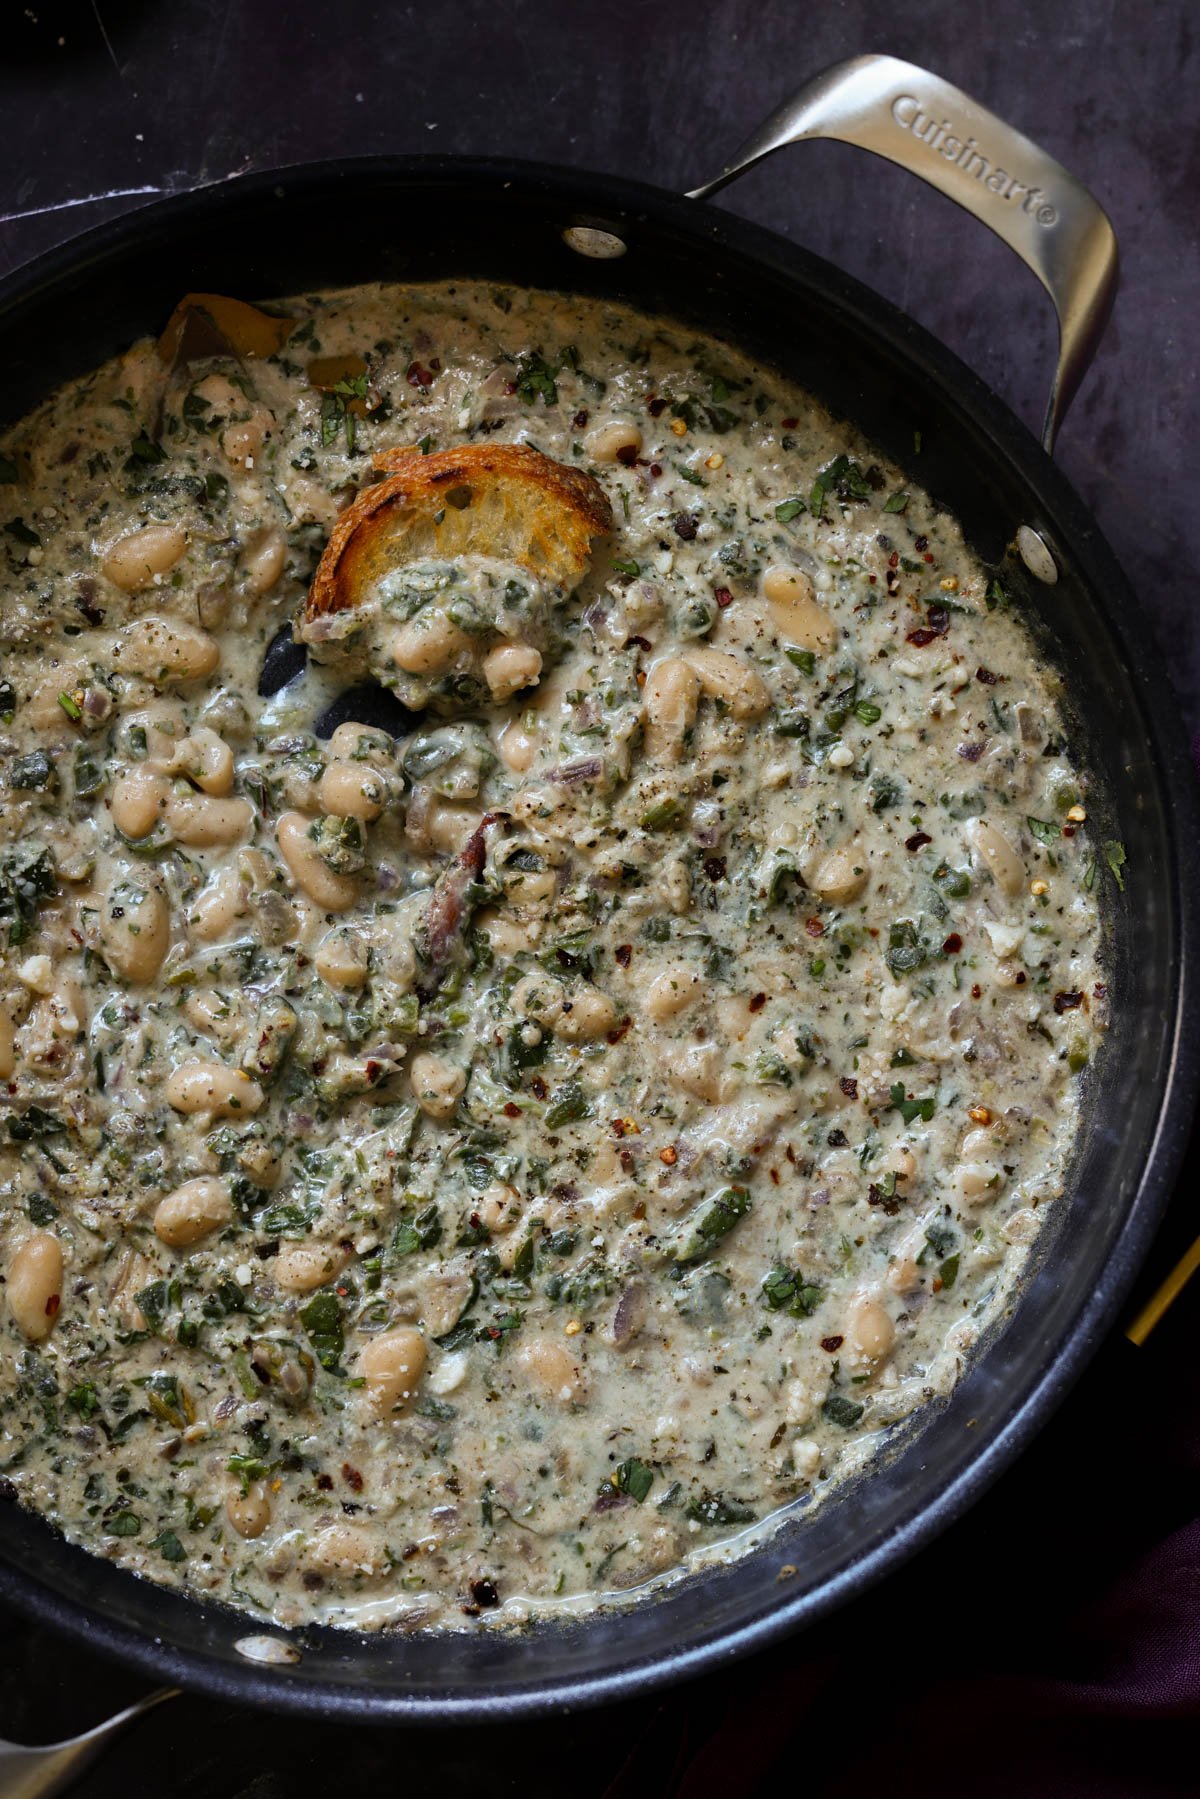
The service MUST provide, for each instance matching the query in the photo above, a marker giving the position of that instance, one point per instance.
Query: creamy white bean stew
(455, 1176)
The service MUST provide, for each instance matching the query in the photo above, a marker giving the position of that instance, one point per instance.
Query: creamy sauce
(472, 1175)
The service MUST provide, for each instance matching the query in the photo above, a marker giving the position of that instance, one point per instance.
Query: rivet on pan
(586, 240)
(1035, 554)
(275, 1651)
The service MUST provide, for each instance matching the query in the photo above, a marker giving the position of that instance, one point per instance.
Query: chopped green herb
(635, 1478)
(1114, 855)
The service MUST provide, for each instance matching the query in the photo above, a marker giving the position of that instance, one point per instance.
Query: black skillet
(420, 219)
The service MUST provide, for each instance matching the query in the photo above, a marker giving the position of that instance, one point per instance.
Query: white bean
(135, 930)
(212, 1087)
(586, 1014)
(202, 821)
(728, 678)
(218, 907)
(869, 1326)
(428, 644)
(551, 1368)
(165, 651)
(249, 1512)
(794, 609)
(392, 1366)
(308, 1265)
(670, 697)
(509, 667)
(518, 747)
(134, 560)
(361, 743)
(341, 960)
(840, 876)
(263, 559)
(205, 758)
(139, 801)
(672, 990)
(992, 848)
(352, 790)
(606, 442)
(332, 892)
(35, 1277)
(437, 1085)
(344, 1551)
(193, 1211)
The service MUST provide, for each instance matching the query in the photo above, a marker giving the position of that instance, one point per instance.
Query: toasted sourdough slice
(505, 501)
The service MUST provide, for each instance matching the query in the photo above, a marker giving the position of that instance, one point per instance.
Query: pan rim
(640, 204)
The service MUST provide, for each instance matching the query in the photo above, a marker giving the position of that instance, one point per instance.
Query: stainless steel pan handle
(1055, 225)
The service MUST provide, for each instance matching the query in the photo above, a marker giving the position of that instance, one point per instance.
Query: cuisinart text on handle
(966, 154)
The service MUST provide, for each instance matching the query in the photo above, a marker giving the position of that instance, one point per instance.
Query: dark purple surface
(1050, 1643)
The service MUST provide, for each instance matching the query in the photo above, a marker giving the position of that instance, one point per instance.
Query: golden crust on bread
(506, 501)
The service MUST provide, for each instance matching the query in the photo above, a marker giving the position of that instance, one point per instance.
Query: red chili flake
(655, 407)
(987, 677)
(952, 944)
(788, 424)
(539, 1087)
(928, 556)
(623, 954)
(832, 1343)
(656, 469)
(641, 643)
(758, 1002)
(619, 1128)
(324, 1482)
(625, 1157)
(627, 456)
(849, 1087)
(814, 927)
(417, 376)
(1068, 830)
(918, 840)
(352, 1478)
(894, 559)
(1067, 1002)
(937, 624)
(977, 992)
(52, 1305)
(723, 597)
(580, 419)
(510, 387)
(872, 579)
(616, 1035)
(714, 867)
(512, 1109)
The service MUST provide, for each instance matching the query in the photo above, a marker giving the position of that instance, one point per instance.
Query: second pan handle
(913, 118)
